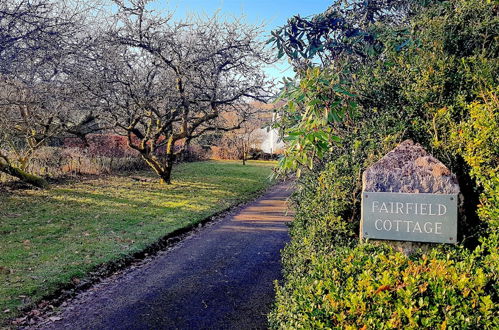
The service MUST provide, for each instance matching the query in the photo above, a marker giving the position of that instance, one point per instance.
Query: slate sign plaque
(409, 217)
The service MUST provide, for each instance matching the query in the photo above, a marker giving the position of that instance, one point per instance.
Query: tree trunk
(164, 171)
(167, 173)
(24, 176)
(244, 153)
(186, 152)
(157, 167)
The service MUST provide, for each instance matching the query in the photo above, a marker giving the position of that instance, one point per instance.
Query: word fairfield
(408, 208)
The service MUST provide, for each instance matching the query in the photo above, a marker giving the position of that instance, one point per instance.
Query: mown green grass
(49, 238)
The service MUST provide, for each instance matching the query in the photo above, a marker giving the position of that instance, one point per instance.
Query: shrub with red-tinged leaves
(107, 145)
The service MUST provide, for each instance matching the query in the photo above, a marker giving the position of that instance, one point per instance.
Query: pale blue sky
(273, 13)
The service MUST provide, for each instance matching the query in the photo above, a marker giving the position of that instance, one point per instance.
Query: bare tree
(154, 80)
(39, 42)
(238, 143)
(169, 81)
(250, 136)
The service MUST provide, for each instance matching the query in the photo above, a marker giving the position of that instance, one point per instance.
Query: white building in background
(271, 142)
(268, 139)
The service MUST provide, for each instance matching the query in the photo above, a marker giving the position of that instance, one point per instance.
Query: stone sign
(408, 195)
(410, 217)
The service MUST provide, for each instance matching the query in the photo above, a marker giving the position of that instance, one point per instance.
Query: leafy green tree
(327, 51)
(347, 29)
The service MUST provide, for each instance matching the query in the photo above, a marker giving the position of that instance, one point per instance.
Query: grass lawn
(49, 238)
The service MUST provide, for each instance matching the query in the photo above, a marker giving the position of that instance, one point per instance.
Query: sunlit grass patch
(49, 238)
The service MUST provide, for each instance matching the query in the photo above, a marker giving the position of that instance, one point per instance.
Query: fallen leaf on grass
(55, 318)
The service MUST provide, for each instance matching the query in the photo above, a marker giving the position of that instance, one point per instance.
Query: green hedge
(442, 92)
(375, 287)
(331, 281)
